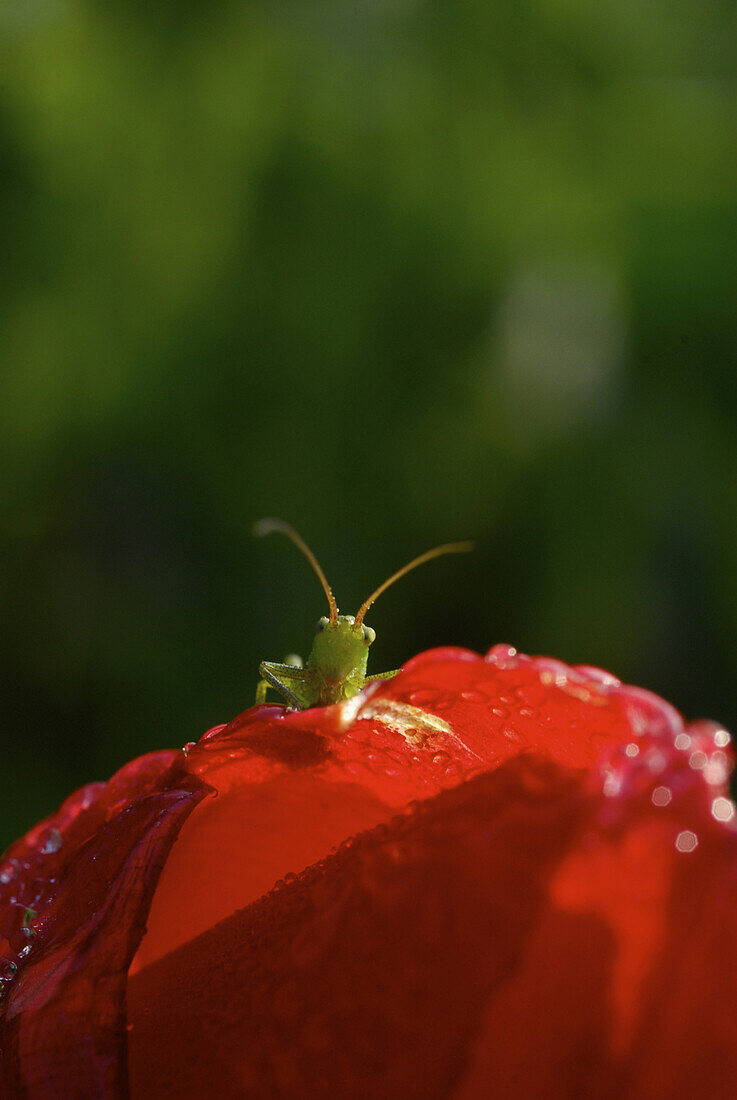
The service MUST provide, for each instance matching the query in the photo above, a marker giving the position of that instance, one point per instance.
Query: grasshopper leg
(382, 676)
(282, 678)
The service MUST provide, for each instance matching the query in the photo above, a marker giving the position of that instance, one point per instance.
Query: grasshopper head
(340, 649)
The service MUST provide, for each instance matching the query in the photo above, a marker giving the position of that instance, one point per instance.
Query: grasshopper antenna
(268, 526)
(446, 548)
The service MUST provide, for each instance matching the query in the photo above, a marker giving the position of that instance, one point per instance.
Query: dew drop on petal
(686, 841)
(511, 734)
(8, 871)
(213, 732)
(501, 654)
(632, 749)
(473, 697)
(52, 841)
(598, 675)
(424, 698)
(8, 969)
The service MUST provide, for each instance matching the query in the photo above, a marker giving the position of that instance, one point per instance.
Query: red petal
(89, 872)
(290, 787)
(522, 935)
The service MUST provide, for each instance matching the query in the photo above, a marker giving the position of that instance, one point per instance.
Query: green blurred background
(399, 272)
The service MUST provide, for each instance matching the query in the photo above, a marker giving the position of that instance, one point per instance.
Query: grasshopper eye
(369, 634)
(321, 624)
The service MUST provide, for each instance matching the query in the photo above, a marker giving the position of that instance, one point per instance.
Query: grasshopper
(336, 666)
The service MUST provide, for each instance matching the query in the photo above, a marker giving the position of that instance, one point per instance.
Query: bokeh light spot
(686, 841)
(723, 809)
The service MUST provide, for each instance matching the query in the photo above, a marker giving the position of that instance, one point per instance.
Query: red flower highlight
(487, 876)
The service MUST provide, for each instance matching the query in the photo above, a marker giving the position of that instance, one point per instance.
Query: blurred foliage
(398, 272)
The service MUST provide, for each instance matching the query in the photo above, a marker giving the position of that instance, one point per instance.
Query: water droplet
(598, 675)
(8, 969)
(51, 841)
(441, 757)
(661, 796)
(473, 697)
(511, 734)
(186, 749)
(632, 749)
(500, 712)
(212, 732)
(686, 841)
(424, 698)
(682, 742)
(723, 809)
(8, 871)
(501, 655)
(549, 677)
(527, 712)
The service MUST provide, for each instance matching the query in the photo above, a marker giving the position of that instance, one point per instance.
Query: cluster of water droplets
(670, 766)
(393, 740)
(27, 886)
(664, 762)
(680, 770)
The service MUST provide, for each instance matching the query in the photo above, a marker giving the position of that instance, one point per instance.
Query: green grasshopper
(336, 666)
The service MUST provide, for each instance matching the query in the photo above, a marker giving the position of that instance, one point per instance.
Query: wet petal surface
(526, 835)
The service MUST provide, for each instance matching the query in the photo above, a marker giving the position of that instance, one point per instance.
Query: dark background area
(399, 273)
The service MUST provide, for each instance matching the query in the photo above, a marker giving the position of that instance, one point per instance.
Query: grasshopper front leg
(381, 675)
(291, 682)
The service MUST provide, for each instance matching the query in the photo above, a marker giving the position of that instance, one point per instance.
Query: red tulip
(486, 877)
